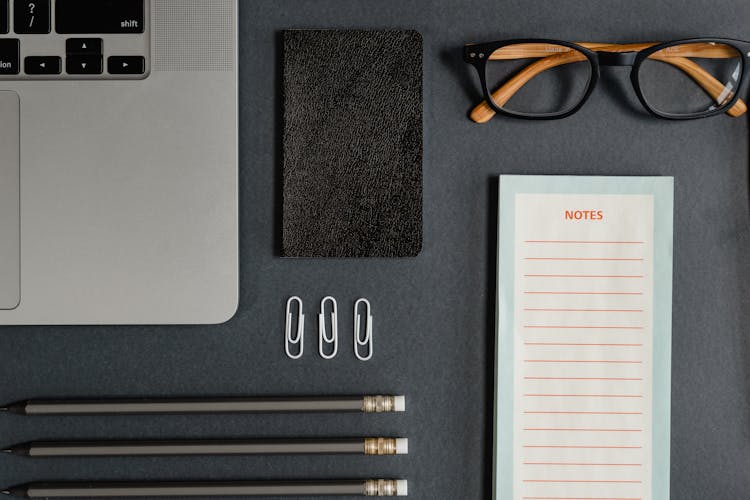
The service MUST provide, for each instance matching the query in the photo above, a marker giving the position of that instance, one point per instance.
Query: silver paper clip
(367, 341)
(323, 337)
(294, 340)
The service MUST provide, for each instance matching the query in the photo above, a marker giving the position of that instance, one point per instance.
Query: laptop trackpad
(10, 251)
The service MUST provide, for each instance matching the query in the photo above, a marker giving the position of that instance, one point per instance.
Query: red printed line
(584, 293)
(583, 310)
(583, 464)
(581, 361)
(586, 447)
(582, 378)
(579, 430)
(583, 395)
(617, 481)
(579, 498)
(581, 327)
(581, 242)
(583, 412)
(581, 345)
(580, 259)
(581, 276)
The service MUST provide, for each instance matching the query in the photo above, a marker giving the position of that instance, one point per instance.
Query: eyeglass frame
(479, 54)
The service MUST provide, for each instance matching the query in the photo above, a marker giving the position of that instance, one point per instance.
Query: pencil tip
(4, 408)
(5, 492)
(7, 450)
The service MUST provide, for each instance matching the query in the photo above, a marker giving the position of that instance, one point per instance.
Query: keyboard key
(4, 17)
(99, 16)
(126, 65)
(84, 65)
(9, 57)
(31, 17)
(83, 46)
(42, 65)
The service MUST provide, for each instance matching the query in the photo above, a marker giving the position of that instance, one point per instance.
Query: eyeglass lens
(537, 78)
(691, 78)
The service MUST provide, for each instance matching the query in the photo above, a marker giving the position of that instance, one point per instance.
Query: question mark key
(32, 17)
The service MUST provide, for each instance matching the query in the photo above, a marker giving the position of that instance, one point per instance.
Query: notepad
(584, 338)
(352, 143)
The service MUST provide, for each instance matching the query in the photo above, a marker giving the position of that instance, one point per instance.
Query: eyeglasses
(542, 79)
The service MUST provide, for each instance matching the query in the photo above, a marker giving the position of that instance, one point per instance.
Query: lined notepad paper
(583, 352)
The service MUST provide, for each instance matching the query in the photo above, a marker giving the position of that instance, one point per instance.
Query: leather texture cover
(352, 143)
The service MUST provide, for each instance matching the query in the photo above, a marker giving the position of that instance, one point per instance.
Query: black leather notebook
(352, 143)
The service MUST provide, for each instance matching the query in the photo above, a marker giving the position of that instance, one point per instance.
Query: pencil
(364, 404)
(349, 446)
(369, 487)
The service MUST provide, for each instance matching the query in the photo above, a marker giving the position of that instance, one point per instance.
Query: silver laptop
(118, 161)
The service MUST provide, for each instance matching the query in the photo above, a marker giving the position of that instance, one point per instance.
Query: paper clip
(294, 340)
(323, 337)
(367, 341)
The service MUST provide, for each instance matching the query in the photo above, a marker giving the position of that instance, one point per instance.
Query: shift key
(99, 16)
(4, 17)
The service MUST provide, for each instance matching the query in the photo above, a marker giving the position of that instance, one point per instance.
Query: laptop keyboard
(74, 39)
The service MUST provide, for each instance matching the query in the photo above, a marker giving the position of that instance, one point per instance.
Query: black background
(433, 314)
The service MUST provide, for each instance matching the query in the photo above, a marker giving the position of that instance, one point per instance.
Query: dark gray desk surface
(434, 313)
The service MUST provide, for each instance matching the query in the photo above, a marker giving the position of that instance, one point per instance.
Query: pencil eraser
(402, 489)
(402, 446)
(399, 403)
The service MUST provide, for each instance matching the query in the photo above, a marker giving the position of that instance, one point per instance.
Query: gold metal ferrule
(381, 488)
(380, 446)
(379, 404)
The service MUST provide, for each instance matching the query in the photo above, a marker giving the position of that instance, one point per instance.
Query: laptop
(118, 161)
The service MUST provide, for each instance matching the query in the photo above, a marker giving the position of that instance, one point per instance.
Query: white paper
(583, 347)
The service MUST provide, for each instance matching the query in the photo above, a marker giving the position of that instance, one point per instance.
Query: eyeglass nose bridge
(616, 58)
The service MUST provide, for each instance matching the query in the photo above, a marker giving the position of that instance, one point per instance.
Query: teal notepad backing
(532, 193)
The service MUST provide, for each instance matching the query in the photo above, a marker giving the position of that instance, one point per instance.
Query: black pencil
(369, 487)
(364, 404)
(353, 446)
